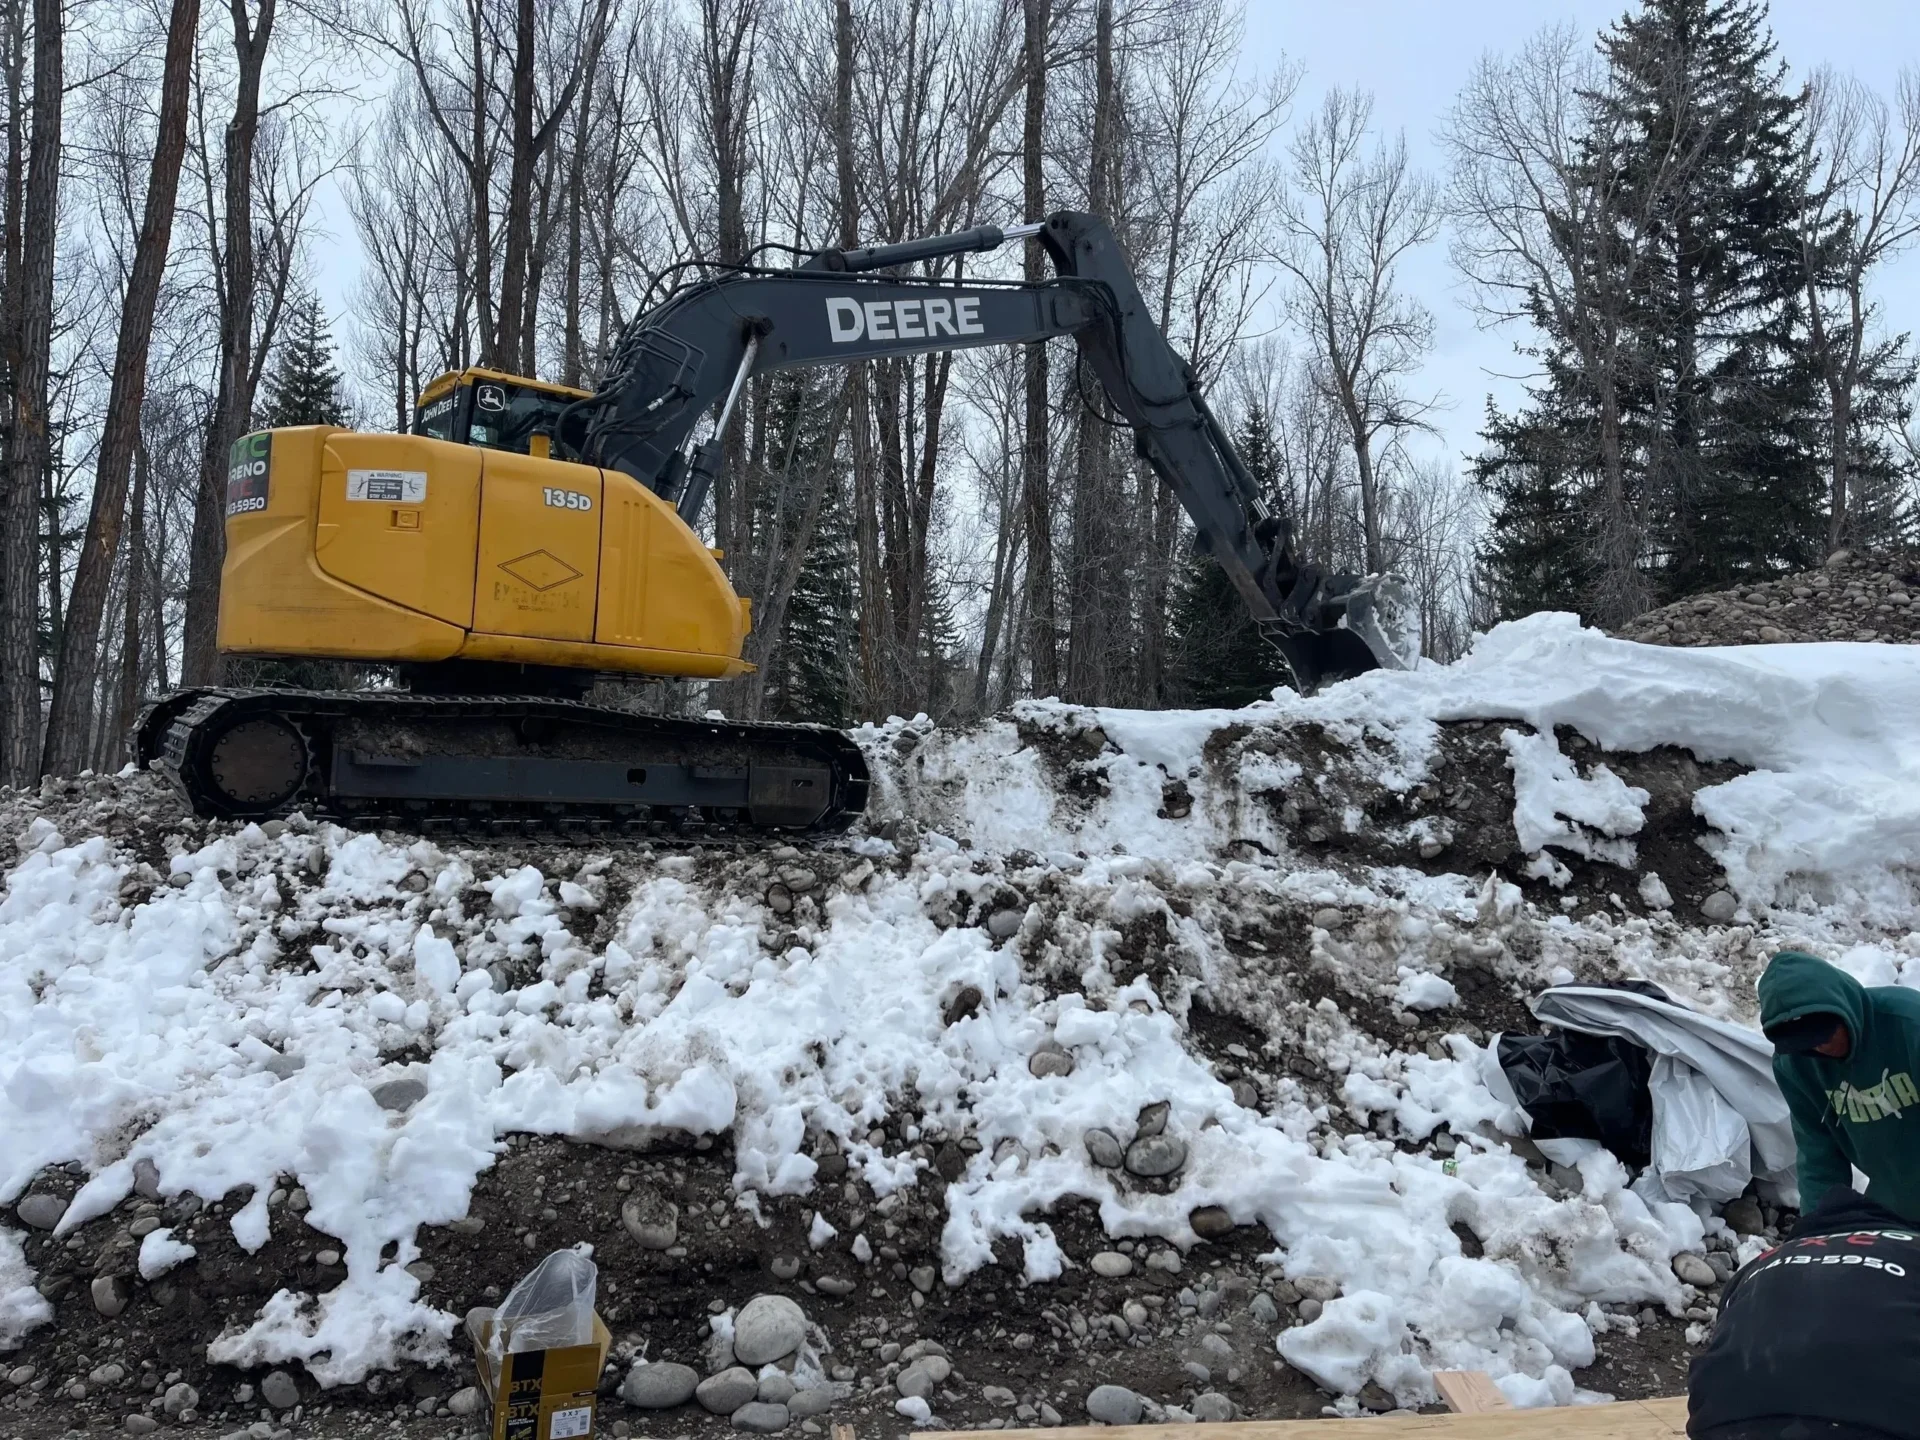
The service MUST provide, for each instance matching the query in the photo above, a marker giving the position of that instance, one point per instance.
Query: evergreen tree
(1719, 399)
(1219, 655)
(303, 387)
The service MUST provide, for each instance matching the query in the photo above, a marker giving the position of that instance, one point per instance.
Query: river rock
(914, 1381)
(400, 1094)
(41, 1211)
(1719, 907)
(1210, 1222)
(109, 1295)
(1155, 1155)
(1104, 1150)
(1112, 1265)
(280, 1390)
(1113, 1405)
(1743, 1215)
(659, 1386)
(1005, 924)
(758, 1418)
(138, 1424)
(179, 1399)
(464, 1401)
(726, 1392)
(1212, 1408)
(650, 1218)
(1694, 1270)
(1153, 1119)
(1318, 1287)
(807, 1404)
(1050, 1060)
(768, 1328)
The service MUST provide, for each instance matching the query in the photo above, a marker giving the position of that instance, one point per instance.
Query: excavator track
(486, 766)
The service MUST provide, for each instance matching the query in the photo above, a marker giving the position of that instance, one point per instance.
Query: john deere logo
(540, 569)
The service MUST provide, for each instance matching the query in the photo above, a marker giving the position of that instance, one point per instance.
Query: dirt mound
(1853, 597)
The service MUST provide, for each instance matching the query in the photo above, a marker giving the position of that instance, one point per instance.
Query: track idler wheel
(258, 764)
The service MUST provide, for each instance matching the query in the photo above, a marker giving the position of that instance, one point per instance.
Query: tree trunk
(1035, 482)
(1090, 607)
(71, 717)
(232, 410)
(135, 582)
(29, 320)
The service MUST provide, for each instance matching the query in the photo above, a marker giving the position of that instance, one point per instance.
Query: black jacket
(1823, 1328)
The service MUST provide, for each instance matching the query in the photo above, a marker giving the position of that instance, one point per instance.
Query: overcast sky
(1414, 55)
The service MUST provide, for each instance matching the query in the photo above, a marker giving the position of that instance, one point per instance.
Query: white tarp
(1719, 1119)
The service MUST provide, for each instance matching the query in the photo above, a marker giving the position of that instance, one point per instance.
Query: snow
(160, 1252)
(167, 1029)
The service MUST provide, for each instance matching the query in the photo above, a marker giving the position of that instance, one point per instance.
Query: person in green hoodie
(1847, 1058)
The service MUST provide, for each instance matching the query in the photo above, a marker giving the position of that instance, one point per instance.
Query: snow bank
(231, 1027)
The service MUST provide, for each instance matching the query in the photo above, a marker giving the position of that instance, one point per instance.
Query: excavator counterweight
(527, 537)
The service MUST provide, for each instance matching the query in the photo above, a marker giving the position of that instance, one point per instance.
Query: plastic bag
(1582, 1087)
(550, 1306)
(1701, 1145)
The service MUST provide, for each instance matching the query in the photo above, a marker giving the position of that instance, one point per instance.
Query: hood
(1796, 983)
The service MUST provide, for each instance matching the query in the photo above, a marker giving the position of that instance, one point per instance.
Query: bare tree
(1549, 228)
(27, 315)
(71, 716)
(1035, 481)
(1351, 214)
(1863, 159)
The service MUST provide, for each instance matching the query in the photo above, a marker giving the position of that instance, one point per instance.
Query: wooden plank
(840, 1431)
(1469, 1392)
(1628, 1420)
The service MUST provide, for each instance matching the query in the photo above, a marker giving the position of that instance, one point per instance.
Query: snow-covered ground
(366, 1017)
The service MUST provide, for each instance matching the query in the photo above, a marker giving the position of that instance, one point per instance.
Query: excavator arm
(677, 362)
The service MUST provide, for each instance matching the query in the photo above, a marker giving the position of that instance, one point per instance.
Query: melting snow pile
(230, 1027)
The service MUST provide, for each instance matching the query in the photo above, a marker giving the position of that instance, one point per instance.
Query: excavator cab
(494, 410)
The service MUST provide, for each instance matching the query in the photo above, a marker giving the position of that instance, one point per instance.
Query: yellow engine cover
(403, 548)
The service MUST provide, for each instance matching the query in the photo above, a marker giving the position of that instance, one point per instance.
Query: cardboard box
(541, 1394)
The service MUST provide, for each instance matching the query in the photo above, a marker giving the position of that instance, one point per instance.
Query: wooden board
(1469, 1392)
(1626, 1420)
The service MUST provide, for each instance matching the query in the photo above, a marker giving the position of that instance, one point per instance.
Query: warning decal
(403, 487)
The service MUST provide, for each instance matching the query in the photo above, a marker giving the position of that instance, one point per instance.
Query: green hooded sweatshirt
(1861, 1111)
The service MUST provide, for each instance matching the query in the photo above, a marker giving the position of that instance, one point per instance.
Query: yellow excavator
(527, 537)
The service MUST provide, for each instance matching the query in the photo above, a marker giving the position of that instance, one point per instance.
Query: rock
(326, 1259)
(1113, 1405)
(144, 1226)
(1246, 1094)
(914, 1408)
(963, 1005)
(1744, 1216)
(760, 1419)
(768, 1328)
(997, 1395)
(1005, 924)
(1719, 907)
(779, 899)
(146, 1179)
(1694, 1270)
(659, 1386)
(400, 1094)
(280, 1390)
(1153, 1119)
(108, 1374)
(1375, 1397)
(650, 1218)
(1196, 1372)
(1048, 1415)
(1217, 1345)
(422, 1270)
(1156, 1155)
(1772, 634)
(1318, 1287)
(284, 1065)
(1050, 1060)
(1210, 1222)
(808, 1403)
(1721, 1264)
(109, 1295)
(1262, 1308)
(1309, 1309)
(1212, 1408)
(465, 1401)
(1112, 1265)
(179, 1398)
(776, 1388)
(938, 1366)
(837, 1286)
(41, 1211)
(726, 1392)
(138, 1424)
(915, 1381)
(784, 1267)
(1104, 1150)
(1326, 917)
(20, 1375)
(800, 881)
(921, 1277)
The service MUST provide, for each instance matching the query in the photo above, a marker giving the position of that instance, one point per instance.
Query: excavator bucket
(1378, 628)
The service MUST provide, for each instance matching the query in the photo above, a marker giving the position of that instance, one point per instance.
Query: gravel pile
(1853, 597)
